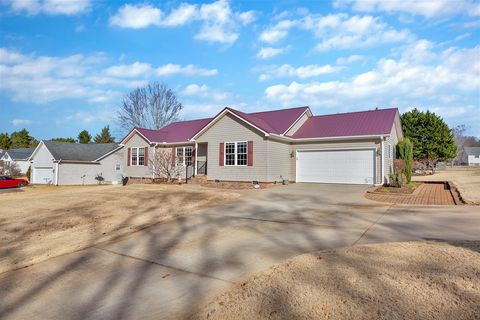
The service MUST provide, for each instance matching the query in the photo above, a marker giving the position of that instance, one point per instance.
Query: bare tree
(461, 140)
(152, 107)
(162, 164)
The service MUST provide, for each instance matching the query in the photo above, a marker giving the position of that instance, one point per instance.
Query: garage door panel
(336, 166)
(42, 175)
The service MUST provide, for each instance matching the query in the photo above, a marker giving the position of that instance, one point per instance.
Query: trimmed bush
(27, 174)
(398, 179)
(405, 152)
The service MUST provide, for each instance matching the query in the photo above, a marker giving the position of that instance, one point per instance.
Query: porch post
(383, 160)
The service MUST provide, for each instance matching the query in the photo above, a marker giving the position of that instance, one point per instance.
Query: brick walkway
(426, 194)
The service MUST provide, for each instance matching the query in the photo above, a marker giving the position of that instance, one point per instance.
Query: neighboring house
(63, 163)
(472, 156)
(17, 156)
(271, 146)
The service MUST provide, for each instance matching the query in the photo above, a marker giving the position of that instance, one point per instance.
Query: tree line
(23, 139)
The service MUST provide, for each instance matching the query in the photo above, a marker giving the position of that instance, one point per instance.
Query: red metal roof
(275, 121)
(180, 131)
(373, 122)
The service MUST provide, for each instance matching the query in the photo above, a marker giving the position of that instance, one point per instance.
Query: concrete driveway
(171, 270)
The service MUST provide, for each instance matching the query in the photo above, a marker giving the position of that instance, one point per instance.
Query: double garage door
(336, 166)
(42, 175)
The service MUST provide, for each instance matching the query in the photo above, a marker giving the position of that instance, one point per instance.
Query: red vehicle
(9, 182)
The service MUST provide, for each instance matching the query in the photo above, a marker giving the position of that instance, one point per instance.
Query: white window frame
(137, 157)
(183, 163)
(235, 154)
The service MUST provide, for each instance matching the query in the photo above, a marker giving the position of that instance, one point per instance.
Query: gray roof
(79, 151)
(472, 151)
(20, 153)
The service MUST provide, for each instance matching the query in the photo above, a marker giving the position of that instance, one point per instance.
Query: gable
(229, 128)
(298, 124)
(134, 138)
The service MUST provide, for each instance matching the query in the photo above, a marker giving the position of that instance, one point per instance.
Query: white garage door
(42, 175)
(336, 166)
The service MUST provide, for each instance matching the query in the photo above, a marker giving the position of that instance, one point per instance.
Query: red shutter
(174, 153)
(194, 164)
(129, 156)
(221, 155)
(145, 161)
(250, 154)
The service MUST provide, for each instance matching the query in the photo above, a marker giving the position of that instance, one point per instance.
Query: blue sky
(65, 64)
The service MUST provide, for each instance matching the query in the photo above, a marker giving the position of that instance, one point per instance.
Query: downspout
(383, 159)
(56, 173)
(196, 157)
(153, 162)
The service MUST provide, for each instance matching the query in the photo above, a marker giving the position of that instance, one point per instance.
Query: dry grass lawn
(40, 222)
(467, 180)
(413, 280)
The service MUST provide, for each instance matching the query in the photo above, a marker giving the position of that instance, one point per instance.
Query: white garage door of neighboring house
(42, 175)
(336, 166)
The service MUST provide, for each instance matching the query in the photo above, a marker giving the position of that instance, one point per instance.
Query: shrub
(405, 151)
(398, 165)
(27, 174)
(398, 179)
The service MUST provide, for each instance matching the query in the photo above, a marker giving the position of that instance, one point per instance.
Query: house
(64, 163)
(472, 156)
(17, 156)
(288, 144)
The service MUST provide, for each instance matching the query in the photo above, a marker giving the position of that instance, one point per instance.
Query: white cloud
(277, 32)
(20, 122)
(135, 69)
(435, 79)
(338, 31)
(301, 72)
(180, 16)
(350, 59)
(136, 16)
(50, 7)
(188, 70)
(204, 92)
(219, 23)
(269, 52)
(42, 79)
(425, 8)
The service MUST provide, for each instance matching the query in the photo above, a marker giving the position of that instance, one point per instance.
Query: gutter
(290, 139)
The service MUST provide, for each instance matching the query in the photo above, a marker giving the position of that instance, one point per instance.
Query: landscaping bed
(409, 189)
(426, 193)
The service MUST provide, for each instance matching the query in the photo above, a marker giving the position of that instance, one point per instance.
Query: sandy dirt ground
(410, 280)
(467, 180)
(40, 222)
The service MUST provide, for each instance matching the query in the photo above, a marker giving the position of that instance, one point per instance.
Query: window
(184, 156)
(138, 157)
(117, 167)
(236, 153)
(390, 150)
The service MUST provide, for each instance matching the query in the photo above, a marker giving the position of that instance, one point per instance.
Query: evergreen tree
(104, 136)
(84, 137)
(431, 137)
(22, 139)
(71, 140)
(5, 141)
